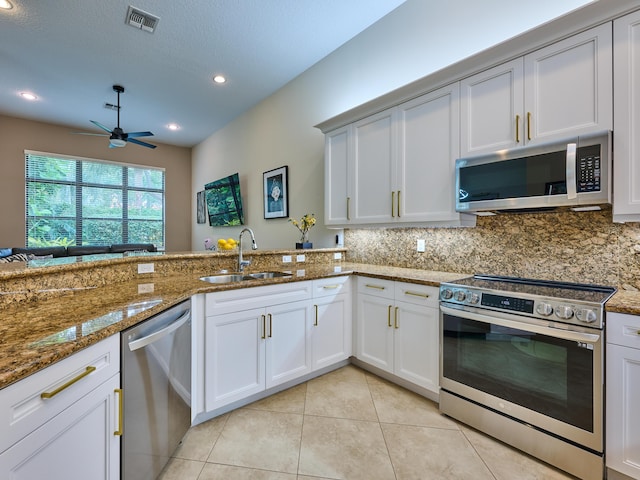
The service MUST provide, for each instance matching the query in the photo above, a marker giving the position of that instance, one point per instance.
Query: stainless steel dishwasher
(156, 381)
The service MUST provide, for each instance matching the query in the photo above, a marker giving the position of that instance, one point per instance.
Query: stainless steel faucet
(243, 263)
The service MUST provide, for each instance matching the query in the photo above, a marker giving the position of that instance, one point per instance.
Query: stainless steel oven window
(549, 375)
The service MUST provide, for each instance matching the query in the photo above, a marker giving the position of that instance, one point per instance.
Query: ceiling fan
(117, 137)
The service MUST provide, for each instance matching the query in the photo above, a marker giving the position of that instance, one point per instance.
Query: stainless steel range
(522, 360)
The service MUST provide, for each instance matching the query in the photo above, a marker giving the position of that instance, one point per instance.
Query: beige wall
(19, 135)
(414, 40)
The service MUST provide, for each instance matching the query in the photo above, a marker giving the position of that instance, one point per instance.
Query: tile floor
(351, 425)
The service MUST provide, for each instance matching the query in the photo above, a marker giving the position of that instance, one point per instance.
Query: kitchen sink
(226, 278)
(241, 277)
(269, 275)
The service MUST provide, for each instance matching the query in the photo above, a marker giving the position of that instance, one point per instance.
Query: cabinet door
(429, 145)
(331, 331)
(337, 153)
(288, 353)
(623, 421)
(374, 154)
(375, 331)
(234, 356)
(416, 344)
(491, 109)
(626, 66)
(568, 87)
(77, 444)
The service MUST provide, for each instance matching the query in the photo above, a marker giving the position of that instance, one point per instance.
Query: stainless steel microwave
(573, 173)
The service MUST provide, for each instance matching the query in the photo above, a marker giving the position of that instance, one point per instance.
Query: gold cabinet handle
(377, 287)
(517, 128)
(398, 204)
(120, 393)
(331, 287)
(393, 202)
(270, 325)
(395, 320)
(528, 125)
(264, 327)
(348, 208)
(416, 294)
(389, 316)
(88, 370)
(315, 323)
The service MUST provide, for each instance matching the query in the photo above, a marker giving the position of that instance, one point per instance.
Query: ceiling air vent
(142, 20)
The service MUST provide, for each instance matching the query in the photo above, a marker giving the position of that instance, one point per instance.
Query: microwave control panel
(588, 166)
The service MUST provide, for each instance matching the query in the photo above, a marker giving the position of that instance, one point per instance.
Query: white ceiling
(70, 53)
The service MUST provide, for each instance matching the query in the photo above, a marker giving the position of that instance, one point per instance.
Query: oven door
(546, 377)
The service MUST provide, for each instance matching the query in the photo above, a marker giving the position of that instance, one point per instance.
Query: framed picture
(202, 215)
(276, 193)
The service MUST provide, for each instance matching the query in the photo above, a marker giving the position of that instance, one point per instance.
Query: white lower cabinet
(331, 333)
(248, 350)
(623, 394)
(71, 431)
(397, 329)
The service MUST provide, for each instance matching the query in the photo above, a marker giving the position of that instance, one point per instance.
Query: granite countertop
(41, 332)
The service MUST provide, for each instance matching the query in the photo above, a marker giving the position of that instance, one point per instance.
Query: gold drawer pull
(331, 287)
(120, 430)
(389, 316)
(315, 323)
(416, 294)
(395, 322)
(517, 128)
(377, 287)
(393, 202)
(528, 125)
(88, 370)
(264, 327)
(348, 208)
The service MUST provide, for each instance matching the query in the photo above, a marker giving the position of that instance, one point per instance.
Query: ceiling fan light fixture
(117, 142)
(6, 5)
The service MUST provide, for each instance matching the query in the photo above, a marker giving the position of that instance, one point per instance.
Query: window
(77, 201)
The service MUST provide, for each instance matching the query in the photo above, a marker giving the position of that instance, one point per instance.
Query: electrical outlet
(421, 245)
(337, 256)
(300, 258)
(145, 288)
(145, 268)
(286, 259)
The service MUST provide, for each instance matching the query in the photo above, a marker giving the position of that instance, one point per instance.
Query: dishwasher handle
(149, 339)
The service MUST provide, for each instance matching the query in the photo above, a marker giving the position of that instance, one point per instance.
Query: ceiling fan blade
(93, 134)
(98, 124)
(140, 134)
(138, 142)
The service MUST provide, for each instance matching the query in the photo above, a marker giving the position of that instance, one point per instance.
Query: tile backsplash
(584, 247)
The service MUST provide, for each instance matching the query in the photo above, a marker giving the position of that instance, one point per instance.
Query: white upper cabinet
(626, 67)
(558, 91)
(396, 166)
(337, 198)
(374, 161)
(491, 109)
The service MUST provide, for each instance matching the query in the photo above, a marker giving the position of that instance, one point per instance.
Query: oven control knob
(564, 312)
(544, 309)
(460, 295)
(586, 315)
(446, 294)
(473, 298)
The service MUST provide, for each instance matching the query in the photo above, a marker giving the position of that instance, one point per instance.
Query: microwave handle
(571, 171)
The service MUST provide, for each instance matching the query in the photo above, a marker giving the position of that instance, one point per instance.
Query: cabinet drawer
(24, 409)
(416, 294)
(256, 297)
(623, 329)
(376, 286)
(326, 287)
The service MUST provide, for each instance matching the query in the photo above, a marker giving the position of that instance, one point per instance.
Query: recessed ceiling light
(173, 126)
(28, 95)
(5, 4)
(219, 79)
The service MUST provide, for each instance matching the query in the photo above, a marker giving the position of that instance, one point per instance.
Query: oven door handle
(554, 332)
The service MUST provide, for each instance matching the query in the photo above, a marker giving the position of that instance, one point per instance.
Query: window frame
(124, 189)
